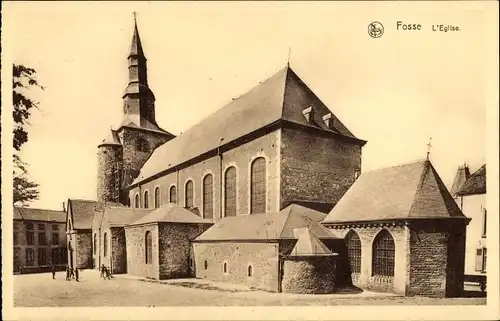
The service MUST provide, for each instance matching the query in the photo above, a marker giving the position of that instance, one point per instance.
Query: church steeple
(138, 99)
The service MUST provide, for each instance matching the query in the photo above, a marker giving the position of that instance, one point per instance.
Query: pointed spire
(289, 54)
(136, 46)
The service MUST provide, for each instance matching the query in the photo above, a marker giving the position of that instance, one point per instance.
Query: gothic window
(189, 194)
(230, 192)
(146, 199)
(208, 196)
(258, 186)
(157, 197)
(95, 243)
(383, 254)
(143, 145)
(105, 244)
(354, 251)
(173, 195)
(136, 201)
(149, 248)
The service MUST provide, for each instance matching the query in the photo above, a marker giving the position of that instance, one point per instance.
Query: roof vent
(328, 119)
(309, 114)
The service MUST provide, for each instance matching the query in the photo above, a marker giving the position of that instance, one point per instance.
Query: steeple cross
(135, 15)
(429, 148)
(289, 54)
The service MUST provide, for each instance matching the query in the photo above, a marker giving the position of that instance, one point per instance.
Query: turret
(109, 168)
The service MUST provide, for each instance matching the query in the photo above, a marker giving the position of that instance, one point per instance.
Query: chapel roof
(281, 97)
(308, 244)
(409, 191)
(83, 211)
(475, 184)
(37, 214)
(269, 226)
(461, 177)
(111, 139)
(122, 216)
(171, 213)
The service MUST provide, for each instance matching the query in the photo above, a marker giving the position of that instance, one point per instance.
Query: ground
(39, 290)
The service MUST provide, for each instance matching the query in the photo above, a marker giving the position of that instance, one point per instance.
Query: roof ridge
(415, 161)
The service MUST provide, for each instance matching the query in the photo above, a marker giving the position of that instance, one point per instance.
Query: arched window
(208, 196)
(105, 250)
(95, 243)
(383, 254)
(136, 201)
(157, 197)
(230, 192)
(225, 267)
(353, 244)
(258, 186)
(146, 199)
(249, 270)
(173, 195)
(149, 248)
(189, 194)
(206, 264)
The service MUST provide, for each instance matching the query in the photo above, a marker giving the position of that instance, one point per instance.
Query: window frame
(189, 194)
(157, 197)
(148, 247)
(173, 200)
(105, 245)
(234, 190)
(383, 254)
(354, 251)
(146, 199)
(208, 198)
(258, 199)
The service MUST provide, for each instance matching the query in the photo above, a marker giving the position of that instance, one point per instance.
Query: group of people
(105, 272)
(72, 274)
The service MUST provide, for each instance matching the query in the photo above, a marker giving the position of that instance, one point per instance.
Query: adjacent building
(470, 194)
(403, 231)
(39, 239)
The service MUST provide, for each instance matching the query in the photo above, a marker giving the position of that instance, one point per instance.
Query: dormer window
(328, 120)
(309, 114)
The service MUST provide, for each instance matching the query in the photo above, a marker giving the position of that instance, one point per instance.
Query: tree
(23, 80)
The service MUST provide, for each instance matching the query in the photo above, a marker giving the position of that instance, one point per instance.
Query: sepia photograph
(216, 156)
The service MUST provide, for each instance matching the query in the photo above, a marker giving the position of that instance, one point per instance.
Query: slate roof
(269, 226)
(83, 211)
(122, 216)
(461, 177)
(475, 184)
(281, 97)
(36, 214)
(308, 244)
(171, 213)
(136, 46)
(409, 191)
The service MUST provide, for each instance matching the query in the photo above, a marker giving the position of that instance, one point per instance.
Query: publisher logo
(375, 29)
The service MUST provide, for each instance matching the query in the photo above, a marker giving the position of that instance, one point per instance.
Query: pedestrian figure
(77, 274)
(71, 273)
(103, 270)
(68, 274)
(108, 273)
(53, 272)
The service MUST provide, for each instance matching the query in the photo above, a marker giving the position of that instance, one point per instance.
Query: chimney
(64, 207)
(309, 114)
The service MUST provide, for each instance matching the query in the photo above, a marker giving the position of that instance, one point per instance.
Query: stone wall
(262, 257)
(109, 165)
(118, 250)
(456, 262)
(241, 158)
(315, 167)
(83, 251)
(136, 251)
(310, 275)
(175, 248)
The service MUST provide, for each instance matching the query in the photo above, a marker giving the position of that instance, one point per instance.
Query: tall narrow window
(173, 195)
(105, 250)
(484, 222)
(354, 251)
(149, 248)
(230, 192)
(249, 270)
(157, 197)
(258, 186)
(383, 254)
(128, 202)
(95, 243)
(188, 201)
(41, 239)
(225, 267)
(30, 257)
(208, 196)
(136, 201)
(206, 264)
(55, 238)
(146, 199)
(484, 259)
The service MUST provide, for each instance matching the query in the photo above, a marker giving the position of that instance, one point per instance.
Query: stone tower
(122, 154)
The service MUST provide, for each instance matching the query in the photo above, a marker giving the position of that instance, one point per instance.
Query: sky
(395, 91)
